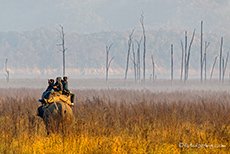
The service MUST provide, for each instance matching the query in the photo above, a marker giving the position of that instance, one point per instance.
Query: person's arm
(66, 87)
(55, 87)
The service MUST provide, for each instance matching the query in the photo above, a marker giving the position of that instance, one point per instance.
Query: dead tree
(108, 63)
(62, 36)
(204, 61)
(138, 59)
(222, 69)
(225, 67)
(7, 71)
(189, 50)
(201, 53)
(221, 47)
(134, 63)
(185, 57)
(143, 28)
(182, 61)
(128, 54)
(153, 63)
(213, 66)
(171, 63)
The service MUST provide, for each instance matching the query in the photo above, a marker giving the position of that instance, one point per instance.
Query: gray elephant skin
(58, 117)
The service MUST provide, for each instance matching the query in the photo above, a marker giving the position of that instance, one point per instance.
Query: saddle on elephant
(56, 97)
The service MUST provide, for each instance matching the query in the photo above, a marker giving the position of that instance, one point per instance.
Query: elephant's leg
(40, 111)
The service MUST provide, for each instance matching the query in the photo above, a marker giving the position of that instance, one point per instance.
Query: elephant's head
(58, 117)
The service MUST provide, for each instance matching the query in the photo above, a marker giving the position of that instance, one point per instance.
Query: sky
(92, 16)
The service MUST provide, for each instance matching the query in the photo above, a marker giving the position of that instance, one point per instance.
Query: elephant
(58, 117)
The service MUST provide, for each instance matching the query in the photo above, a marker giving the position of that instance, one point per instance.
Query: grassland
(117, 120)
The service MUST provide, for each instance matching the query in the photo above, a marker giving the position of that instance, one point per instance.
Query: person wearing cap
(48, 90)
(66, 90)
(50, 85)
(58, 87)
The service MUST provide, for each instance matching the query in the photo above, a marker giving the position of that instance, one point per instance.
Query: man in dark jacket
(58, 87)
(50, 85)
(45, 96)
(48, 90)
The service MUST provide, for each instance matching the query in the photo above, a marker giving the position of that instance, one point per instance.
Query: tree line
(185, 57)
(38, 49)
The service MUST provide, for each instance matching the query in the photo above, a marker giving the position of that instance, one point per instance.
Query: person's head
(51, 80)
(58, 79)
(65, 78)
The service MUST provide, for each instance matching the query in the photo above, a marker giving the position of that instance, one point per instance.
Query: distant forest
(35, 53)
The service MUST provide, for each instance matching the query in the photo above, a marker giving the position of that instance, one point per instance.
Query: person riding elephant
(48, 90)
(66, 90)
(51, 84)
(58, 87)
(56, 96)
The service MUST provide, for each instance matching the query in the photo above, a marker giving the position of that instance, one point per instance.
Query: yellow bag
(55, 97)
(65, 99)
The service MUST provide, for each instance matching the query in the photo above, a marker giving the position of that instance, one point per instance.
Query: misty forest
(34, 53)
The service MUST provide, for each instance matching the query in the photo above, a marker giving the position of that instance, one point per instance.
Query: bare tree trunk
(222, 70)
(205, 69)
(182, 61)
(134, 63)
(205, 61)
(189, 50)
(153, 68)
(138, 59)
(225, 67)
(62, 36)
(221, 46)
(171, 63)
(128, 54)
(108, 62)
(144, 60)
(185, 58)
(127, 64)
(213, 66)
(201, 54)
(7, 71)
(143, 28)
(138, 62)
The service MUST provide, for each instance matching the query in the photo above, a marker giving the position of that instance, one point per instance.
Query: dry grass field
(120, 121)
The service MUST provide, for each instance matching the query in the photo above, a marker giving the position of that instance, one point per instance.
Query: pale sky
(88, 16)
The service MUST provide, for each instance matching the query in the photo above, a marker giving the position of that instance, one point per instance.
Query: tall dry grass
(119, 121)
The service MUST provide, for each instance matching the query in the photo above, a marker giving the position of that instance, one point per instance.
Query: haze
(89, 16)
(29, 37)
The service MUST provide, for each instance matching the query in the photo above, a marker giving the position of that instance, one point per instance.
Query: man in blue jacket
(48, 90)
(66, 90)
(58, 87)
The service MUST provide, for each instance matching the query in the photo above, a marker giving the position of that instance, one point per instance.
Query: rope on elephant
(55, 105)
